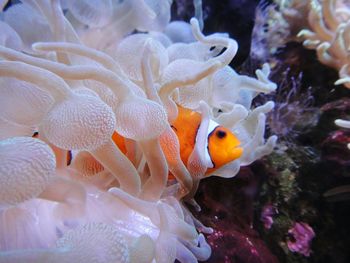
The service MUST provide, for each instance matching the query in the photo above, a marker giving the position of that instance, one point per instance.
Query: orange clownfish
(222, 145)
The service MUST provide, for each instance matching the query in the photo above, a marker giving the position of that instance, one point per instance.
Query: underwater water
(175, 131)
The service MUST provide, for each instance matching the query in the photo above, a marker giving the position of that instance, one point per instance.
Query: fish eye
(220, 134)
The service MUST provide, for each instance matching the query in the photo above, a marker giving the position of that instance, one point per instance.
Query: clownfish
(222, 146)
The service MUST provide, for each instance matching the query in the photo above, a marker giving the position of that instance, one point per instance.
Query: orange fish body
(222, 144)
(186, 127)
(119, 141)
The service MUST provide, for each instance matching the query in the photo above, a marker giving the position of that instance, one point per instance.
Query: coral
(277, 23)
(294, 112)
(301, 235)
(319, 25)
(327, 31)
(343, 124)
(82, 76)
(328, 34)
(228, 209)
(307, 188)
(269, 33)
(339, 193)
(267, 214)
(292, 13)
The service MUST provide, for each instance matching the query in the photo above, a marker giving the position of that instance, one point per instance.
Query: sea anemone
(329, 35)
(73, 75)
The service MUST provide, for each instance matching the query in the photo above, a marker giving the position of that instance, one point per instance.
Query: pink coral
(267, 214)
(300, 237)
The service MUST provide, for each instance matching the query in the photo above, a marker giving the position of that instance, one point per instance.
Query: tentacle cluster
(70, 75)
(328, 34)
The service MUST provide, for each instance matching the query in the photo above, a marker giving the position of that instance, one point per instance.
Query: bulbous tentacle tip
(194, 21)
(24, 178)
(273, 140)
(269, 106)
(148, 120)
(37, 46)
(311, 44)
(203, 250)
(266, 69)
(324, 46)
(93, 240)
(305, 33)
(342, 81)
(342, 123)
(80, 122)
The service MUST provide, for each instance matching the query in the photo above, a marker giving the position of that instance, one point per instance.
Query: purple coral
(267, 214)
(300, 237)
(293, 109)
